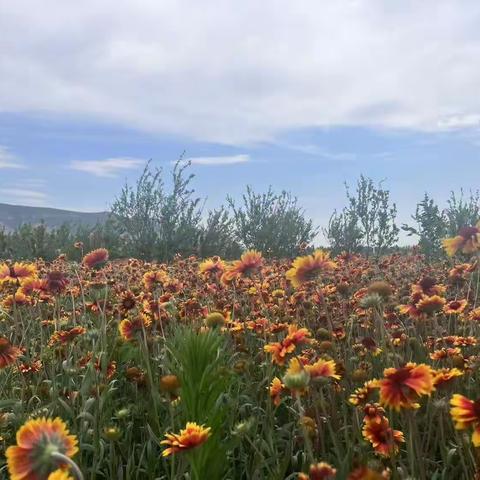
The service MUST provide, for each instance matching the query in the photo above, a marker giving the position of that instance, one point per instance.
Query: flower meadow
(317, 367)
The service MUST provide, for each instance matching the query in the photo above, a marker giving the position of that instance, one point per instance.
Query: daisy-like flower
(319, 471)
(307, 268)
(55, 282)
(322, 369)
(192, 436)
(66, 336)
(445, 376)
(474, 315)
(430, 304)
(295, 336)
(17, 273)
(153, 279)
(212, 267)
(455, 307)
(8, 353)
(37, 440)
(250, 261)
(465, 414)
(384, 439)
(129, 328)
(361, 396)
(275, 390)
(95, 258)
(467, 241)
(402, 387)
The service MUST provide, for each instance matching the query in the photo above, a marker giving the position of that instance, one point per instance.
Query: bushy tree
(155, 223)
(343, 232)
(367, 222)
(217, 237)
(136, 213)
(272, 223)
(430, 227)
(461, 211)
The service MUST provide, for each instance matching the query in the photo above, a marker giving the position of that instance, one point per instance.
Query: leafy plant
(272, 223)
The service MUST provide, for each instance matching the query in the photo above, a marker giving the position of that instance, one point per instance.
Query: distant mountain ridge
(12, 216)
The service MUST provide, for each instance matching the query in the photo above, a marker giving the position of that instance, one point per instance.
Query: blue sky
(300, 97)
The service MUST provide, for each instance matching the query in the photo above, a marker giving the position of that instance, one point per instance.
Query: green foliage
(273, 223)
(343, 232)
(217, 237)
(430, 227)
(202, 363)
(135, 213)
(461, 211)
(433, 224)
(367, 222)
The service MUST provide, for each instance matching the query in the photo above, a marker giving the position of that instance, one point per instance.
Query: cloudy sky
(302, 95)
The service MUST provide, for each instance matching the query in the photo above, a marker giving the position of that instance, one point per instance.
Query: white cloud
(24, 196)
(239, 72)
(8, 159)
(224, 160)
(109, 167)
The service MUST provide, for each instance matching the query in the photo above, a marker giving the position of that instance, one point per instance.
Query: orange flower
(212, 266)
(279, 350)
(17, 299)
(309, 267)
(129, 328)
(37, 439)
(17, 273)
(95, 258)
(152, 279)
(455, 307)
(467, 240)
(66, 336)
(322, 368)
(466, 413)
(8, 353)
(320, 471)
(361, 396)
(191, 436)
(474, 315)
(385, 441)
(430, 304)
(249, 261)
(275, 390)
(60, 475)
(402, 387)
(445, 376)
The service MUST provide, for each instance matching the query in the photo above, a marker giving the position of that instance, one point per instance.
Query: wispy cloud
(23, 196)
(109, 167)
(223, 160)
(8, 159)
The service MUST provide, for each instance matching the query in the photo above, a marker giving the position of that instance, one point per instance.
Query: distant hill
(12, 216)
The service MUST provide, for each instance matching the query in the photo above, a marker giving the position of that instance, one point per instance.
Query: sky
(303, 96)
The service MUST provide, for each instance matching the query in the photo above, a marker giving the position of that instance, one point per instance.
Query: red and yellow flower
(402, 387)
(384, 439)
(465, 414)
(191, 436)
(307, 268)
(37, 440)
(467, 241)
(8, 353)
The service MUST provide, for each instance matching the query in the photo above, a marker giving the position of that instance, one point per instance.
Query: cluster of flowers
(321, 325)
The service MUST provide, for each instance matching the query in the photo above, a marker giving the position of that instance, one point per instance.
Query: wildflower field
(317, 367)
